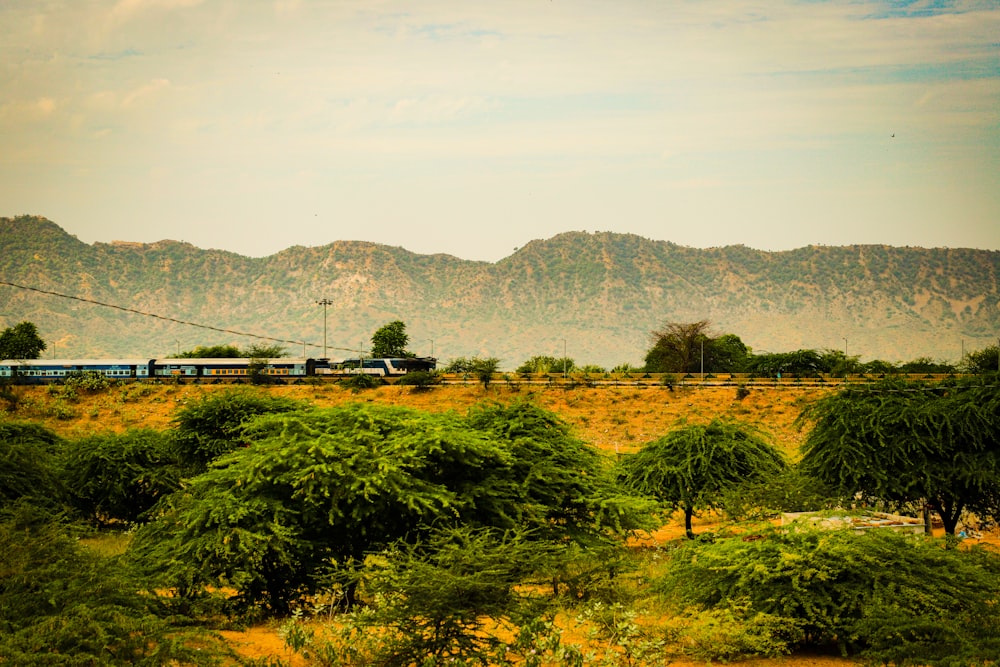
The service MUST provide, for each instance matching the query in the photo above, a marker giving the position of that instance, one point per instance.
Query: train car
(233, 369)
(392, 367)
(44, 371)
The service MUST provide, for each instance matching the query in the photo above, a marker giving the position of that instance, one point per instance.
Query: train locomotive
(46, 371)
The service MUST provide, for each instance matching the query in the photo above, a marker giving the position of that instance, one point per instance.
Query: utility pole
(324, 302)
(564, 358)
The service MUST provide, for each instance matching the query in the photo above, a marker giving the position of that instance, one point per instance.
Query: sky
(472, 127)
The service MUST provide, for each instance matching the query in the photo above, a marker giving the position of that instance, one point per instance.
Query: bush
(420, 379)
(886, 596)
(29, 466)
(118, 478)
(60, 604)
(213, 425)
(362, 381)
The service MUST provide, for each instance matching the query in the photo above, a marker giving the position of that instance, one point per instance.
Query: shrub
(886, 596)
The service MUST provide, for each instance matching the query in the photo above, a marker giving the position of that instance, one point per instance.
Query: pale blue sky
(470, 128)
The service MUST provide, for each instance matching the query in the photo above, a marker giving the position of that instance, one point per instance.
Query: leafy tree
(390, 341)
(484, 369)
(262, 351)
(448, 599)
(892, 598)
(908, 442)
(926, 365)
(726, 354)
(799, 362)
(29, 466)
(982, 361)
(21, 342)
(554, 484)
(118, 478)
(212, 352)
(316, 490)
(693, 467)
(213, 425)
(420, 379)
(546, 364)
(61, 604)
(838, 364)
(677, 347)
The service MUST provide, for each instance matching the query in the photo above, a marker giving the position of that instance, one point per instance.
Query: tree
(213, 425)
(908, 442)
(29, 468)
(261, 351)
(555, 484)
(61, 603)
(694, 467)
(484, 370)
(211, 352)
(21, 342)
(982, 361)
(119, 477)
(389, 342)
(896, 599)
(677, 347)
(546, 364)
(726, 354)
(317, 490)
(799, 362)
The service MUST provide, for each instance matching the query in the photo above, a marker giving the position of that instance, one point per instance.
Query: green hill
(602, 293)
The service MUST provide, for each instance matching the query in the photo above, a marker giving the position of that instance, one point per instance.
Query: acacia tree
(694, 467)
(677, 347)
(21, 342)
(390, 341)
(909, 442)
(317, 491)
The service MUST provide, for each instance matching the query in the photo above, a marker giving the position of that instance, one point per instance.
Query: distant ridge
(601, 293)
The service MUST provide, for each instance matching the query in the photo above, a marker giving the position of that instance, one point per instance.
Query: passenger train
(43, 371)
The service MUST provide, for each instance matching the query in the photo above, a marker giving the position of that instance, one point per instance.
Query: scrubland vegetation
(402, 525)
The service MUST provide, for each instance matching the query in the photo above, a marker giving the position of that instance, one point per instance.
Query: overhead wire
(165, 318)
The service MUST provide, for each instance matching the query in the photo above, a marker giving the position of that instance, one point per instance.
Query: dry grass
(614, 419)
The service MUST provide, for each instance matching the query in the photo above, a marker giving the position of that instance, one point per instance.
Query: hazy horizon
(471, 129)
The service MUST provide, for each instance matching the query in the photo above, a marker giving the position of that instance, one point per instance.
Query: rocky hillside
(600, 293)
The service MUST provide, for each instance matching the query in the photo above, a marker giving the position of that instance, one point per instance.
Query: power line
(162, 317)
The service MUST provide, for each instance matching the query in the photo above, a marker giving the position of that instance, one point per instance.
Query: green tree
(694, 467)
(448, 599)
(211, 352)
(29, 466)
(262, 351)
(677, 347)
(390, 341)
(892, 598)
(484, 369)
(982, 361)
(546, 364)
(925, 365)
(799, 362)
(62, 604)
(21, 342)
(908, 442)
(726, 354)
(316, 490)
(119, 477)
(555, 484)
(213, 425)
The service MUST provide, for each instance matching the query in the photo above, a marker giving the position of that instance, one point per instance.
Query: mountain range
(594, 296)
